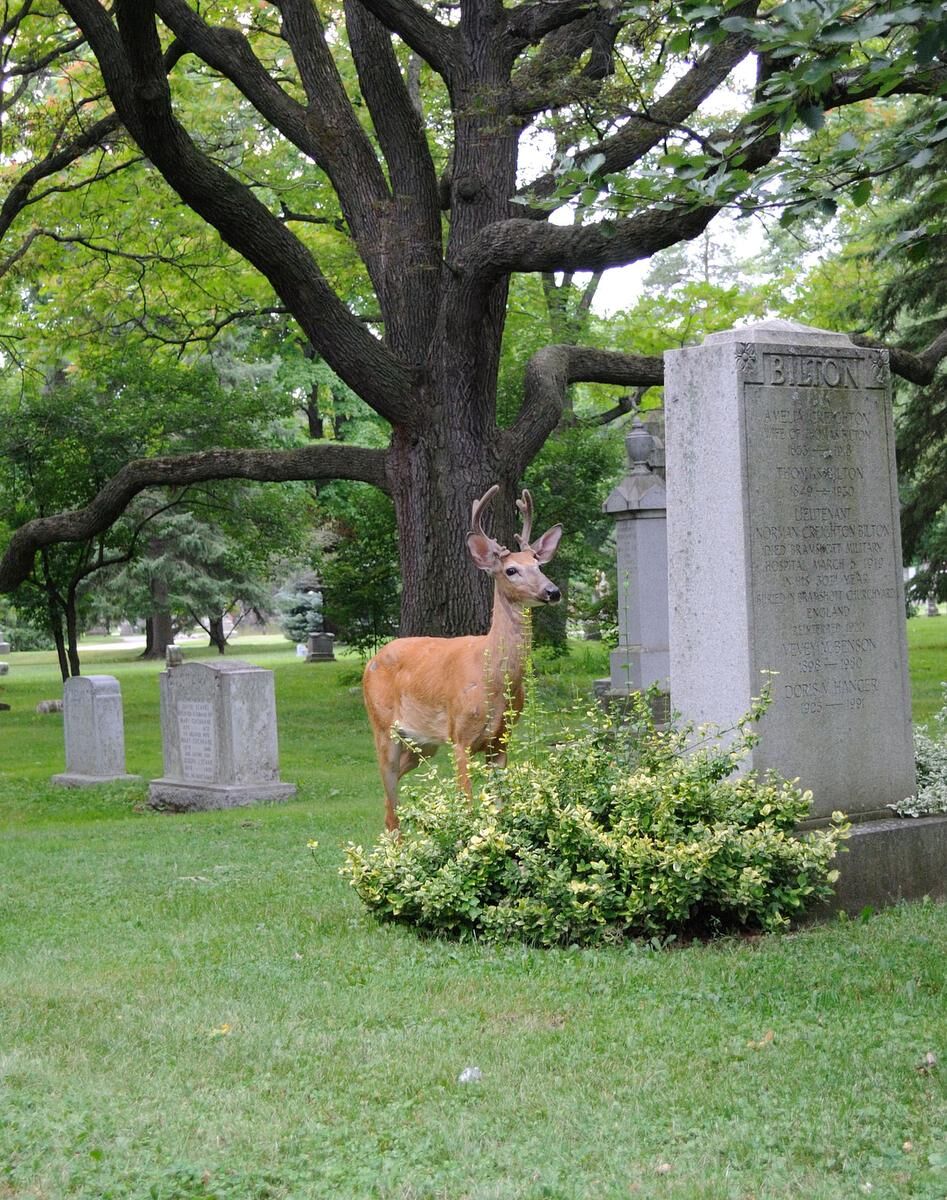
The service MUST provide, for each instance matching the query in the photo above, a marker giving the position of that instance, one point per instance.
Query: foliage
(22, 635)
(62, 439)
(299, 605)
(569, 480)
(614, 832)
(930, 758)
(359, 571)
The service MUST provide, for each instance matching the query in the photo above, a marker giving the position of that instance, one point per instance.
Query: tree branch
(524, 245)
(435, 43)
(915, 368)
(131, 64)
(19, 194)
(639, 134)
(529, 23)
(321, 461)
(549, 373)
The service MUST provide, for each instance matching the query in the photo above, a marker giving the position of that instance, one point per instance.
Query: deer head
(516, 573)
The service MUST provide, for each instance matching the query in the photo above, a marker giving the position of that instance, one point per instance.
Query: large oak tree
(356, 95)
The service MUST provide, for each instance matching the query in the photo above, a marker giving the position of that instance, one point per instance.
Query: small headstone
(319, 647)
(4, 667)
(173, 656)
(218, 730)
(95, 732)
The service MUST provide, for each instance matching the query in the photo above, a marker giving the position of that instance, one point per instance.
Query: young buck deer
(421, 692)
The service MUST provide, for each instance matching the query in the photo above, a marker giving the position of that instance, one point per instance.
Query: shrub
(930, 759)
(618, 831)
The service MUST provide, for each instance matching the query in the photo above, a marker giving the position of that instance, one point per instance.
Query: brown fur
(422, 692)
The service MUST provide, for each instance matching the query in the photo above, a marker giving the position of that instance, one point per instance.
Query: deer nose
(553, 595)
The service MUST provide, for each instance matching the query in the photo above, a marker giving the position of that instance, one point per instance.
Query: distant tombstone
(173, 656)
(94, 731)
(319, 647)
(218, 730)
(4, 667)
(639, 506)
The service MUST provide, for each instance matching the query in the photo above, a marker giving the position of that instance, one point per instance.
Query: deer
(425, 692)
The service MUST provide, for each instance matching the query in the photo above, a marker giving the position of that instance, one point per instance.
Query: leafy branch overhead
(377, 170)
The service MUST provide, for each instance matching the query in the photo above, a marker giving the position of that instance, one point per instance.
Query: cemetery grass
(197, 1006)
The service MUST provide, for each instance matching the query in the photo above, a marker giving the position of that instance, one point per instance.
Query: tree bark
(216, 634)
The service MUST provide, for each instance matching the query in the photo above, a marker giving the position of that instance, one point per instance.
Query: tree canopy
(376, 171)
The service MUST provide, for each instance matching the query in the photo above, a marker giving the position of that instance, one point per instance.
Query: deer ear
(483, 551)
(546, 546)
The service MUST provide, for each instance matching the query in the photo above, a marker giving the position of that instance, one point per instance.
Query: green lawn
(196, 1006)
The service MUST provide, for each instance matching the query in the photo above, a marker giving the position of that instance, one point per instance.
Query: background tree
(435, 226)
(61, 443)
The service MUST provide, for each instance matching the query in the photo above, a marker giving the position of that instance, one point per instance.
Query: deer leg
(389, 753)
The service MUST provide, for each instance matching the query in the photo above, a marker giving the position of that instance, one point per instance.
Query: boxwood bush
(618, 830)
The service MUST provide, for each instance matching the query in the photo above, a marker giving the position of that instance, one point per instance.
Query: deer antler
(476, 519)
(526, 508)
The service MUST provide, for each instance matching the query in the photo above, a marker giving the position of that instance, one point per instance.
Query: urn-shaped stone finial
(640, 445)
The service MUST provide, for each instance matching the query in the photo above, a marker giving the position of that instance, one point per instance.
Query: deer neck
(508, 641)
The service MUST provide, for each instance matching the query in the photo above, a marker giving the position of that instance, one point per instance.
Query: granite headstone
(218, 729)
(94, 728)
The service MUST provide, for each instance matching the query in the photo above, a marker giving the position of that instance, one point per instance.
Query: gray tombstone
(320, 647)
(94, 731)
(4, 668)
(639, 506)
(784, 556)
(218, 730)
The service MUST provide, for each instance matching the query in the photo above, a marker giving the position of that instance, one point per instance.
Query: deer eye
(512, 571)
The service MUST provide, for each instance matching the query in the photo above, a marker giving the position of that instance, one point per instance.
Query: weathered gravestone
(784, 556)
(94, 731)
(320, 647)
(4, 667)
(639, 504)
(218, 730)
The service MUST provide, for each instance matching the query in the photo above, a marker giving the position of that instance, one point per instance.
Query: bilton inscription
(822, 534)
(793, 370)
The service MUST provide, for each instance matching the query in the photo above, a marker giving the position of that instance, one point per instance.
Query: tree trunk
(159, 628)
(159, 635)
(435, 474)
(60, 641)
(72, 632)
(216, 632)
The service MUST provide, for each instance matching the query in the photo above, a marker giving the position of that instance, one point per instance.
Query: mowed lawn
(197, 1006)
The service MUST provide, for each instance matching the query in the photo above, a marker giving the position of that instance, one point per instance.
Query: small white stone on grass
(470, 1075)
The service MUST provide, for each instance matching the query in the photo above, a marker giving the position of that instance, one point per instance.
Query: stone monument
(94, 731)
(320, 647)
(218, 730)
(4, 667)
(639, 505)
(785, 556)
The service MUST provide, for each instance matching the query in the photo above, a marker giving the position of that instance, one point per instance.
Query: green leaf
(811, 115)
(861, 192)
